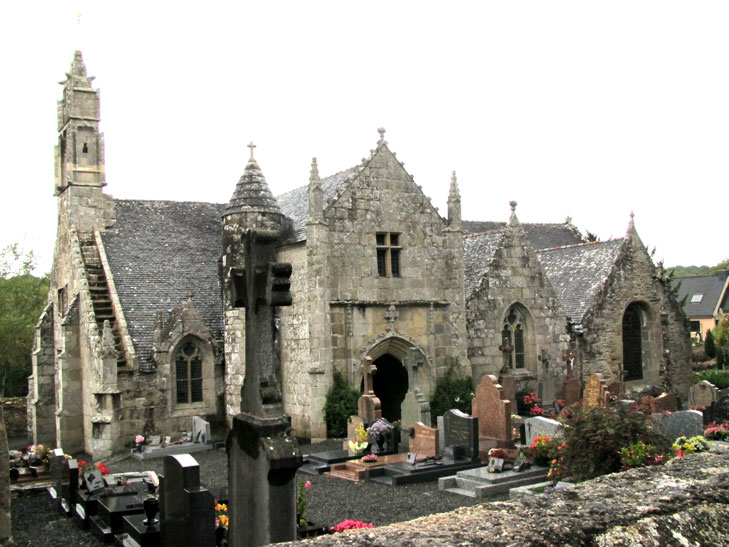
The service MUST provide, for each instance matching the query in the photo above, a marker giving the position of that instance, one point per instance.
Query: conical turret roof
(252, 194)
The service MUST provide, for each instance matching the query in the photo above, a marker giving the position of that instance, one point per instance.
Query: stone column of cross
(569, 359)
(411, 364)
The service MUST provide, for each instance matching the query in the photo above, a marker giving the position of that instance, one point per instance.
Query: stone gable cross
(391, 316)
(368, 369)
(251, 146)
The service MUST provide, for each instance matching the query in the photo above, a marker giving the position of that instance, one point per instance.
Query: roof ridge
(168, 201)
(584, 244)
(478, 234)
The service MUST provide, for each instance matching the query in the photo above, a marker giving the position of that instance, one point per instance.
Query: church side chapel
(144, 327)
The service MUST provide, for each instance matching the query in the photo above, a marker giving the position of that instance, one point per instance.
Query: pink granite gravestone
(596, 392)
(424, 440)
(494, 416)
(666, 402)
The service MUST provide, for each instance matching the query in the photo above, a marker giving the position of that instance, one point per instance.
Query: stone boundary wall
(685, 502)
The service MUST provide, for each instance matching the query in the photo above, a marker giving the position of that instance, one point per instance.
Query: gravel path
(36, 522)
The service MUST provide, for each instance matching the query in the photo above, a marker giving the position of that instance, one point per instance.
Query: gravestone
(703, 394)
(414, 408)
(69, 486)
(200, 430)
(684, 422)
(263, 456)
(423, 440)
(666, 402)
(94, 481)
(571, 385)
(542, 426)
(547, 380)
(720, 410)
(368, 405)
(56, 464)
(187, 511)
(440, 426)
(596, 392)
(460, 435)
(494, 416)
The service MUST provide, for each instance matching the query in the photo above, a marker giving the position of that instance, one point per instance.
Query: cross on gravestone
(368, 405)
(414, 407)
(571, 385)
(368, 369)
(506, 348)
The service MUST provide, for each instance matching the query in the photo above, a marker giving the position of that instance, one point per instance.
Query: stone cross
(251, 146)
(506, 348)
(569, 358)
(368, 369)
(411, 364)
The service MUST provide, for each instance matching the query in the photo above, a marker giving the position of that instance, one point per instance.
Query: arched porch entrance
(391, 383)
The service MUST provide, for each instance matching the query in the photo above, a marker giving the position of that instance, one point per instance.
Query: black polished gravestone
(69, 486)
(109, 519)
(142, 530)
(460, 435)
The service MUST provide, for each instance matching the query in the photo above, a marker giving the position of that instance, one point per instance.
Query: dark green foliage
(709, 346)
(596, 435)
(721, 359)
(22, 299)
(451, 391)
(719, 378)
(340, 405)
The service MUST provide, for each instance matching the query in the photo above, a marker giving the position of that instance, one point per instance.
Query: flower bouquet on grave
(542, 450)
(684, 445)
(717, 432)
(221, 524)
(369, 458)
(377, 432)
(139, 442)
(358, 445)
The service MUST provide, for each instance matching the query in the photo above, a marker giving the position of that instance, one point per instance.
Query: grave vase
(380, 443)
(151, 506)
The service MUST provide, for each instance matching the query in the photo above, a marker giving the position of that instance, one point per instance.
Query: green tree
(709, 346)
(22, 299)
(451, 391)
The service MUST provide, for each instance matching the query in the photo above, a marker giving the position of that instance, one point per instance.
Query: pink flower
(307, 484)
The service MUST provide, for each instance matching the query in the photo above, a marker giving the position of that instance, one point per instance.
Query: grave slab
(479, 483)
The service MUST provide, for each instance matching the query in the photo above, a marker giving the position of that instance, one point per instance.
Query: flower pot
(542, 461)
(380, 443)
(151, 506)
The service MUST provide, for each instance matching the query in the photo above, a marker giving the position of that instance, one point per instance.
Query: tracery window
(189, 373)
(633, 343)
(515, 331)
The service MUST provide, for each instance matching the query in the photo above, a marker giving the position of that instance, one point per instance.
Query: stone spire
(454, 203)
(631, 231)
(253, 198)
(382, 140)
(316, 194)
(513, 221)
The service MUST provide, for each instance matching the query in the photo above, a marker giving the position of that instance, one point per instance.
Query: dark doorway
(632, 343)
(390, 384)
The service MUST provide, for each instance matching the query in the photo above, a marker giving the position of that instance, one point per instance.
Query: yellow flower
(223, 520)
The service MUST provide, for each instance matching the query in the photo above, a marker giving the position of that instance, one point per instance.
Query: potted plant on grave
(377, 432)
(358, 445)
(542, 450)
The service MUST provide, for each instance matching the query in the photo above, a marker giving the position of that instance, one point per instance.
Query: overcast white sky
(586, 109)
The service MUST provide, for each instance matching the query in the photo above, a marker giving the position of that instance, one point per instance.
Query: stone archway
(390, 384)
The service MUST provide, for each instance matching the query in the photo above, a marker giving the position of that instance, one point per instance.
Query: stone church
(142, 330)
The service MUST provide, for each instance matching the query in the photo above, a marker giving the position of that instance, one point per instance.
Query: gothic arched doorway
(390, 384)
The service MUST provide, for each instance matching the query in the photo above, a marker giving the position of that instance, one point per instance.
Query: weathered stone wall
(41, 398)
(684, 502)
(666, 342)
(293, 335)
(425, 314)
(515, 276)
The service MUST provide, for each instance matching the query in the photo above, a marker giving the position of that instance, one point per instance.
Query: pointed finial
(568, 220)
(381, 131)
(314, 174)
(512, 204)
(454, 203)
(513, 221)
(631, 224)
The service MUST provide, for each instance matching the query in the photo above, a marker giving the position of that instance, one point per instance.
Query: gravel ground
(36, 522)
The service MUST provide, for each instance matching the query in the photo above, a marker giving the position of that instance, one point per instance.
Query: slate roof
(713, 287)
(541, 236)
(578, 272)
(478, 250)
(158, 251)
(295, 203)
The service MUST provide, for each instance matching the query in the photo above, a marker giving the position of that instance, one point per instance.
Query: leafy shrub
(717, 432)
(709, 346)
(639, 455)
(341, 403)
(596, 435)
(451, 391)
(719, 378)
(721, 359)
